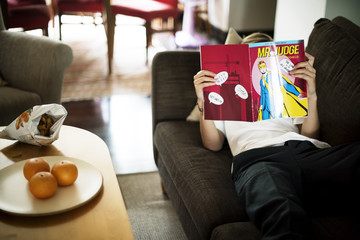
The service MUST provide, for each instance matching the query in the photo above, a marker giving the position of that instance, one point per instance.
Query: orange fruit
(35, 165)
(65, 172)
(43, 185)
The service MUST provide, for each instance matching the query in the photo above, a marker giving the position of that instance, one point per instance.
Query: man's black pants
(282, 187)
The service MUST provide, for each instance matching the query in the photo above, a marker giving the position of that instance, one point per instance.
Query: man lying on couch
(285, 175)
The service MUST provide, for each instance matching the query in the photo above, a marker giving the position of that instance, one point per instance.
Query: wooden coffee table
(103, 217)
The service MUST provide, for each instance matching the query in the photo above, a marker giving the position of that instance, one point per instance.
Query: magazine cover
(253, 81)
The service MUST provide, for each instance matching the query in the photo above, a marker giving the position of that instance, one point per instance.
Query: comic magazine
(253, 81)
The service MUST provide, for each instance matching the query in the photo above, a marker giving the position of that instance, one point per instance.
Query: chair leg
(175, 22)
(59, 16)
(110, 21)
(45, 32)
(148, 38)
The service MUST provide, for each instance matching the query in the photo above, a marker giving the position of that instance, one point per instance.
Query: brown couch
(198, 181)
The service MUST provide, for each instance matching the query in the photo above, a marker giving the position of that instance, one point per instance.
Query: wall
(347, 8)
(242, 15)
(218, 12)
(290, 19)
(295, 19)
(252, 15)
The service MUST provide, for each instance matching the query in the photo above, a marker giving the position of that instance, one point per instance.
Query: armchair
(33, 68)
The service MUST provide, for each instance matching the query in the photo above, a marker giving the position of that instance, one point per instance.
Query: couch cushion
(185, 218)
(232, 231)
(337, 62)
(13, 102)
(202, 177)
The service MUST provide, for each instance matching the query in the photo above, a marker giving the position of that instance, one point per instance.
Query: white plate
(16, 198)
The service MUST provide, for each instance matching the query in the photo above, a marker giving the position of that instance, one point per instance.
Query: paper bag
(39, 125)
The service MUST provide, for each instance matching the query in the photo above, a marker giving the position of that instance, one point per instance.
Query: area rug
(88, 76)
(151, 213)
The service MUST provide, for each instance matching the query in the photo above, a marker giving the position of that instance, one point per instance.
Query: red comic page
(230, 98)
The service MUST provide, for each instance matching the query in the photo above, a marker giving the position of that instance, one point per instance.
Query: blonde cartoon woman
(279, 97)
(265, 93)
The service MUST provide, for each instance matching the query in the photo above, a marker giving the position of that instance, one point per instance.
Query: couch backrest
(336, 47)
(173, 95)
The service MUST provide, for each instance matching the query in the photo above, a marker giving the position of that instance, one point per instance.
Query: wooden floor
(124, 123)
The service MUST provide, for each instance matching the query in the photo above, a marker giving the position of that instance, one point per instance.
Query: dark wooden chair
(77, 7)
(27, 14)
(148, 10)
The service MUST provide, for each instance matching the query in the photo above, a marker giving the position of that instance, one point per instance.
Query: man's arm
(212, 138)
(305, 70)
(311, 125)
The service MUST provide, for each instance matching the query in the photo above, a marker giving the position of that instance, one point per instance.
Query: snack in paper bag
(39, 125)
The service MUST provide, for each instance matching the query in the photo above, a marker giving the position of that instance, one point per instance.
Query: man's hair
(256, 37)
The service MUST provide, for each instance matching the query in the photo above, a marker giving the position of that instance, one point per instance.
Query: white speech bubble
(221, 77)
(241, 91)
(215, 98)
(286, 65)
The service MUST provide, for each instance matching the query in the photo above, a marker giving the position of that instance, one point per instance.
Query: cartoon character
(265, 92)
(294, 103)
(279, 97)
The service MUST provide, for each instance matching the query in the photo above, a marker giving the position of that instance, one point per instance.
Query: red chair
(28, 15)
(76, 7)
(145, 9)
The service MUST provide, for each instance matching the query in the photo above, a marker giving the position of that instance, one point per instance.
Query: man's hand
(306, 71)
(202, 79)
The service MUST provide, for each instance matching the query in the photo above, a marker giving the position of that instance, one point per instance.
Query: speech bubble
(286, 65)
(241, 91)
(221, 77)
(215, 98)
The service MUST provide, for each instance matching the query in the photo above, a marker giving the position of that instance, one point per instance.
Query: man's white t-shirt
(243, 136)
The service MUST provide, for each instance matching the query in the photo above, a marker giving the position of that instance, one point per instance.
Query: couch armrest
(35, 64)
(173, 94)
